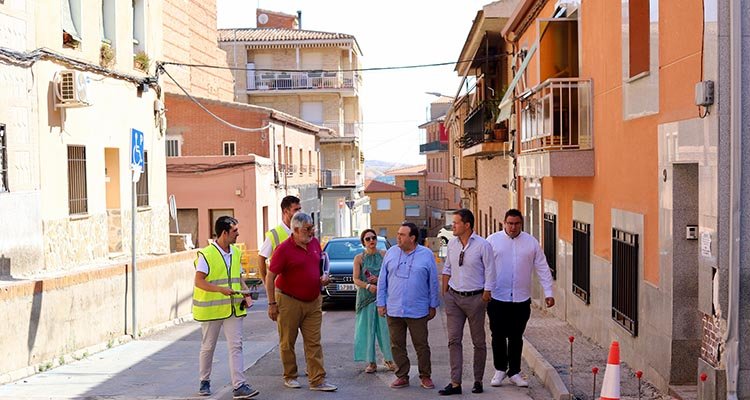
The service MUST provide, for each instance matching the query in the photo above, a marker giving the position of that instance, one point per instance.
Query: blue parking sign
(136, 149)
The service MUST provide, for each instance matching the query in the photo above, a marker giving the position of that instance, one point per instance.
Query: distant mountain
(375, 170)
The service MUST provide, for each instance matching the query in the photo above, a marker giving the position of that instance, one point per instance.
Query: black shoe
(477, 387)
(205, 389)
(449, 390)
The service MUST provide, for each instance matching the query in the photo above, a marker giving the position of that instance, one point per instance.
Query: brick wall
(493, 200)
(276, 19)
(713, 331)
(197, 45)
(202, 135)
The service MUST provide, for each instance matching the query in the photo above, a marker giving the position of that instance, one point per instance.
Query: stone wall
(48, 318)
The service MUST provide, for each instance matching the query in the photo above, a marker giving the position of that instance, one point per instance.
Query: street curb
(545, 371)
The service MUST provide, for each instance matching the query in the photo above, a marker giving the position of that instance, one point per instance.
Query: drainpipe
(731, 338)
(299, 19)
(286, 159)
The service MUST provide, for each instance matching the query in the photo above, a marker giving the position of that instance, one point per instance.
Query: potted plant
(141, 61)
(106, 55)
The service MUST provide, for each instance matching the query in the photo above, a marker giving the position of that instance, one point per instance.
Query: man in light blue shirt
(408, 296)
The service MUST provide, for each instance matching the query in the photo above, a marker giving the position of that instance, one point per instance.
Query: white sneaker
(518, 380)
(497, 379)
(324, 387)
(292, 383)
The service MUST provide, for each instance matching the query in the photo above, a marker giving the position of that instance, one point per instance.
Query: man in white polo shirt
(516, 254)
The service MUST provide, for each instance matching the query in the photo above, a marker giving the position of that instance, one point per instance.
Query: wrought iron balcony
(433, 147)
(556, 129)
(302, 80)
(482, 136)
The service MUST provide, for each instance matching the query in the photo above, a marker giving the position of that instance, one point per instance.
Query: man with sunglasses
(468, 280)
(408, 296)
(517, 254)
(217, 304)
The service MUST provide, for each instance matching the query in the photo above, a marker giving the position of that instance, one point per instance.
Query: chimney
(299, 19)
(275, 19)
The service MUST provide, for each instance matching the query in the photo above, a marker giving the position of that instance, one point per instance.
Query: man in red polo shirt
(293, 287)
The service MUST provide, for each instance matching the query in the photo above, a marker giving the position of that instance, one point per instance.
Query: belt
(466, 294)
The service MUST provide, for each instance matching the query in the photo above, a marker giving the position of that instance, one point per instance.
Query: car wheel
(443, 241)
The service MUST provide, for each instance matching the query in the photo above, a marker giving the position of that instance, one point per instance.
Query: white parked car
(445, 234)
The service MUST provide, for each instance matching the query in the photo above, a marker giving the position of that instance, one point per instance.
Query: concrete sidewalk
(162, 366)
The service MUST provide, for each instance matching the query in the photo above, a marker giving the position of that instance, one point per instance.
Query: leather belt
(466, 294)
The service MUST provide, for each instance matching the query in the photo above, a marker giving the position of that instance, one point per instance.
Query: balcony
(269, 82)
(331, 178)
(482, 136)
(556, 129)
(345, 130)
(433, 147)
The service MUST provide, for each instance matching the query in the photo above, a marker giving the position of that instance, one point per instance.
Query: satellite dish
(263, 19)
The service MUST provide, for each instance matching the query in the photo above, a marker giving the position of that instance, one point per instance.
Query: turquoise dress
(369, 326)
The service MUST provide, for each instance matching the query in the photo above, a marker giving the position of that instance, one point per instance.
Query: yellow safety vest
(276, 236)
(211, 306)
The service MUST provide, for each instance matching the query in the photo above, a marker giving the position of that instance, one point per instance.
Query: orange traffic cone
(611, 383)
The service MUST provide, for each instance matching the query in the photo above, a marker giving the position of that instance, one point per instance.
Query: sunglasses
(461, 259)
(370, 238)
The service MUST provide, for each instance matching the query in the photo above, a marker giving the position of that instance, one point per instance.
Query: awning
(507, 102)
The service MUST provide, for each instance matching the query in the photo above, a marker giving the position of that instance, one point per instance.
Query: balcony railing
(279, 80)
(557, 115)
(433, 147)
(479, 125)
(333, 177)
(345, 129)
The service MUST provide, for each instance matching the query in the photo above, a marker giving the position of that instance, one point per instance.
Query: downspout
(286, 159)
(731, 339)
(273, 157)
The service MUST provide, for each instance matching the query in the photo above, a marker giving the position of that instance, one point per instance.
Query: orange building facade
(617, 172)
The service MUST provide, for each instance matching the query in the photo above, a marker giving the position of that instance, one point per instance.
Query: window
(550, 242)
(139, 26)
(639, 29)
(312, 112)
(3, 160)
(384, 204)
(309, 163)
(301, 163)
(173, 147)
(412, 210)
(141, 187)
(625, 280)
(71, 23)
(77, 197)
(108, 22)
(411, 187)
(230, 148)
(581, 260)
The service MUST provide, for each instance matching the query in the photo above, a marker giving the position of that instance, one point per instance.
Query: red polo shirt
(298, 269)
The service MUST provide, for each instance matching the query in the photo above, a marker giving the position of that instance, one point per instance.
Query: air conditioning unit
(71, 89)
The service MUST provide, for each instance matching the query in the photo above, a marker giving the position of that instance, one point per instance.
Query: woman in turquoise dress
(369, 326)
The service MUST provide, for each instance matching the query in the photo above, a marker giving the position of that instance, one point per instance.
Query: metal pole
(132, 262)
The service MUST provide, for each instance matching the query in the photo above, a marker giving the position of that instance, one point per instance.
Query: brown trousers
(457, 310)
(307, 317)
(419, 334)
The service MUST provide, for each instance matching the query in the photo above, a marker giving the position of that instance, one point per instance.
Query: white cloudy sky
(390, 33)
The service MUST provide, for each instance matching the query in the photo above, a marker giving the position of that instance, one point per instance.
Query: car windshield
(346, 249)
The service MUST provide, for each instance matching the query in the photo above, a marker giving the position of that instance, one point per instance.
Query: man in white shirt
(290, 205)
(516, 254)
(468, 279)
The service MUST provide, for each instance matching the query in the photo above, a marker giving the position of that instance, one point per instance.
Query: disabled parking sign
(136, 153)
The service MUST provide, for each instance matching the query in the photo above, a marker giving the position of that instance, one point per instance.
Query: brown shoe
(400, 383)
(426, 382)
(371, 368)
(390, 365)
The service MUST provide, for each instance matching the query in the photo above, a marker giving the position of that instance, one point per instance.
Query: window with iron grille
(3, 160)
(142, 185)
(77, 193)
(550, 242)
(173, 147)
(625, 280)
(582, 260)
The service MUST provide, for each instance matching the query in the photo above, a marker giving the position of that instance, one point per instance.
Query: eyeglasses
(370, 238)
(461, 259)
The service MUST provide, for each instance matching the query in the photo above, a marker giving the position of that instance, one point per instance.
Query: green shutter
(411, 188)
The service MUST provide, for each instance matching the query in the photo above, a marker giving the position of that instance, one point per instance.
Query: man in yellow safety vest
(290, 205)
(217, 303)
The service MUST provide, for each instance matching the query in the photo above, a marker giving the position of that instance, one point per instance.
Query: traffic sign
(136, 149)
